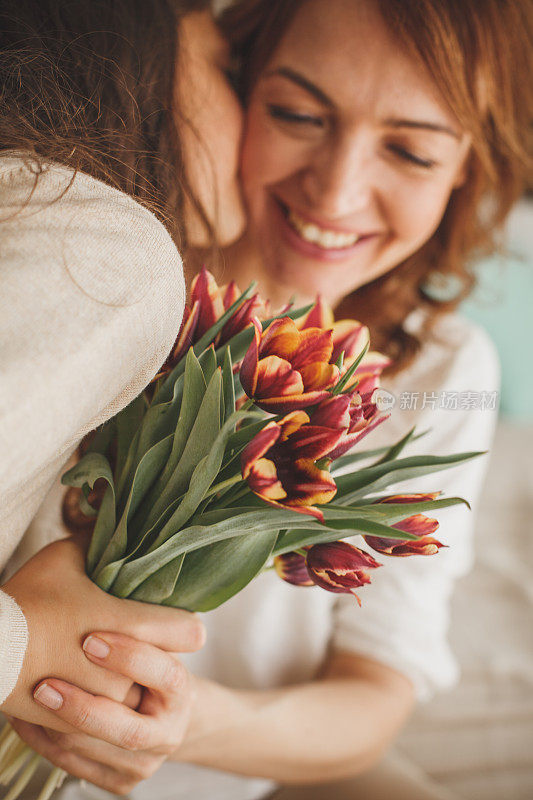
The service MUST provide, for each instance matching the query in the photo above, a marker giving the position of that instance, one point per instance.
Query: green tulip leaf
(199, 442)
(343, 383)
(205, 473)
(150, 466)
(371, 479)
(211, 575)
(389, 512)
(208, 363)
(228, 386)
(158, 422)
(254, 522)
(194, 388)
(85, 473)
(160, 586)
(127, 423)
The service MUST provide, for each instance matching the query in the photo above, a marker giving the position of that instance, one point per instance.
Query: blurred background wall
(503, 304)
(476, 742)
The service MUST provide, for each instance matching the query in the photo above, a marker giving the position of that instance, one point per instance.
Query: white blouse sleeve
(404, 618)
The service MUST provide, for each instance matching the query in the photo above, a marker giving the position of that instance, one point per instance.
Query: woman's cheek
(416, 210)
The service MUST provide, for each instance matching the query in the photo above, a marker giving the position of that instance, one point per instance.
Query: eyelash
(285, 115)
(408, 156)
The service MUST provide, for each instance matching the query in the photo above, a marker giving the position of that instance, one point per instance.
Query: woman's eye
(406, 155)
(286, 115)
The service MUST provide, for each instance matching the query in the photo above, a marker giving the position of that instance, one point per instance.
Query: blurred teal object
(503, 304)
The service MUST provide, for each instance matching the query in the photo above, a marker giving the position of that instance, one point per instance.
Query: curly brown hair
(91, 84)
(480, 56)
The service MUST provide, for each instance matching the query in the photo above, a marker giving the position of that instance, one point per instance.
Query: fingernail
(96, 647)
(48, 697)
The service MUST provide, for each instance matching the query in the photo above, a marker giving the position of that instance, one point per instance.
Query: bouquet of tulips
(238, 458)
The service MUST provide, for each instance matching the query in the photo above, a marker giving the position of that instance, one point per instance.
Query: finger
(133, 698)
(100, 774)
(143, 663)
(97, 716)
(138, 764)
(171, 629)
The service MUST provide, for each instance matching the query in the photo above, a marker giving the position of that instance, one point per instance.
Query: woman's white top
(91, 299)
(273, 634)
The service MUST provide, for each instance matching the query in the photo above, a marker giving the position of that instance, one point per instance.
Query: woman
(99, 180)
(369, 183)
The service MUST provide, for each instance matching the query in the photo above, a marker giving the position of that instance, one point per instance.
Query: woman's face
(350, 155)
(210, 127)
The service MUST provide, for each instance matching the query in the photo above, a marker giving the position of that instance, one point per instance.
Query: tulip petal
(349, 337)
(418, 524)
(410, 498)
(313, 441)
(314, 345)
(276, 377)
(350, 440)
(263, 480)
(320, 316)
(205, 289)
(333, 412)
(281, 338)
(187, 334)
(248, 371)
(241, 319)
(311, 511)
(231, 294)
(283, 405)
(306, 484)
(339, 566)
(319, 375)
(291, 568)
(258, 446)
(425, 546)
(291, 423)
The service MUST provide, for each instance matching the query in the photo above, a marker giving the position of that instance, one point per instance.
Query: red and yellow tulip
(207, 302)
(286, 369)
(339, 567)
(364, 416)
(349, 337)
(279, 464)
(291, 567)
(418, 524)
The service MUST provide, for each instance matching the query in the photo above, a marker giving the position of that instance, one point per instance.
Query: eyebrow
(299, 80)
(419, 125)
(322, 97)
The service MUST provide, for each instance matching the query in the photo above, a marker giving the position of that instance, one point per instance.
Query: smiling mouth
(324, 238)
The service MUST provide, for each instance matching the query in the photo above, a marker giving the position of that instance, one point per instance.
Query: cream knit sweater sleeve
(91, 298)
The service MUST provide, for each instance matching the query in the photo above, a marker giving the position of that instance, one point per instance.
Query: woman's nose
(338, 181)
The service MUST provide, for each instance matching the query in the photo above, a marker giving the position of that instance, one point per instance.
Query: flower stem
(219, 487)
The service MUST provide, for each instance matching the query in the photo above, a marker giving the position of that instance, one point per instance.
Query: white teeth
(328, 239)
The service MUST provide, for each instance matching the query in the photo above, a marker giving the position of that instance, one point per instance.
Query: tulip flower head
(285, 369)
(279, 463)
(364, 416)
(207, 303)
(349, 337)
(291, 567)
(339, 567)
(418, 524)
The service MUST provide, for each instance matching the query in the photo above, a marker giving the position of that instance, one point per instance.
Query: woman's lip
(327, 226)
(310, 250)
